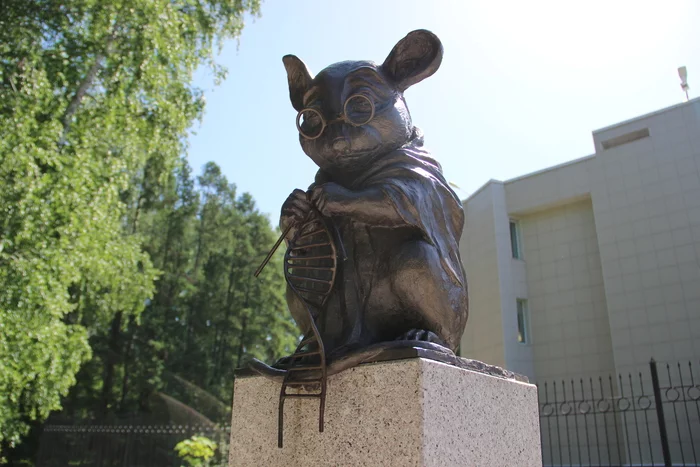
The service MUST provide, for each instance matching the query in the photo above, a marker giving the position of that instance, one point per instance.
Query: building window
(523, 322)
(515, 239)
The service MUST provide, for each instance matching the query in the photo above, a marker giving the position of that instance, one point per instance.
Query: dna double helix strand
(310, 269)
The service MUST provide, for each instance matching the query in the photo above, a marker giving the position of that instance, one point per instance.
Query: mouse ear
(413, 58)
(299, 80)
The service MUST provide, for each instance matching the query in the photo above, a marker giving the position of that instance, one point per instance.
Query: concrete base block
(412, 412)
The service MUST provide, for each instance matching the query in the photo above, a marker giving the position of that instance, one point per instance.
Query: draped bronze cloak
(413, 183)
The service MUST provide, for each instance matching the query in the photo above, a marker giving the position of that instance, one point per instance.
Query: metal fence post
(127, 445)
(660, 413)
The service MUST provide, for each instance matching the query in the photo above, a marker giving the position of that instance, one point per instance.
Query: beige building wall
(512, 284)
(569, 319)
(484, 334)
(611, 255)
(646, 201)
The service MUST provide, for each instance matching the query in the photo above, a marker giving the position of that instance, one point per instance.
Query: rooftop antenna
(683, 74)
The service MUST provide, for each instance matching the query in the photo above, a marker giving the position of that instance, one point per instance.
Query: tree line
(207, 315)
(125, 280)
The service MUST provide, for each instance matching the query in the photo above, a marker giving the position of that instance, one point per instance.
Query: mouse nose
(340, 145)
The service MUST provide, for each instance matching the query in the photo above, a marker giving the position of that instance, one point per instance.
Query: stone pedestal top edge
(417, 352)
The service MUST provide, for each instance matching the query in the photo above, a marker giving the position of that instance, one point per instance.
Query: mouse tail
(366, 355)
(369, 354)
(263, 369)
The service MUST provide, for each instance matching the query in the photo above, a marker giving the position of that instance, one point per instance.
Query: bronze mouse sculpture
(383, 200)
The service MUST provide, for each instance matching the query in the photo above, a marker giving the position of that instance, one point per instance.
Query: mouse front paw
(332, 199)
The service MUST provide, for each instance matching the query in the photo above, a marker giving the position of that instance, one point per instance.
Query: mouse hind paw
(422, 335)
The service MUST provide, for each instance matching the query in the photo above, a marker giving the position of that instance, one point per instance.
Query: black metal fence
(649, 418)
(122, 445)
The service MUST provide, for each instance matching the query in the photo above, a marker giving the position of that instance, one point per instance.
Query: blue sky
(521, 86)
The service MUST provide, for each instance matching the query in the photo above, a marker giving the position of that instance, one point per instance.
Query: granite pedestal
(412, 412)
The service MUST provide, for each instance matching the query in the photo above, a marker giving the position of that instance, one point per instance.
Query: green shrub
(196, 451)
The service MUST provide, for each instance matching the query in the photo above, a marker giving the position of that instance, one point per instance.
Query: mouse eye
(310, 123)
(359, 109)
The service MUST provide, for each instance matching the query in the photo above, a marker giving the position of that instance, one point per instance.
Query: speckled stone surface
(412, 412)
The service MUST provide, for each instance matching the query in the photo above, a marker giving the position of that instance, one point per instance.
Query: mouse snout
(341, 144)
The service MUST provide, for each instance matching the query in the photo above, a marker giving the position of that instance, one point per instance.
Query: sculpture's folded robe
(425, 245)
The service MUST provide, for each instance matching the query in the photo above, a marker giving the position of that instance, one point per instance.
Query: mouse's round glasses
(358, 110)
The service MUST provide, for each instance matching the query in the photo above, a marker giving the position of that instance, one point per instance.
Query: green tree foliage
(208, 314)
(95, 99)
